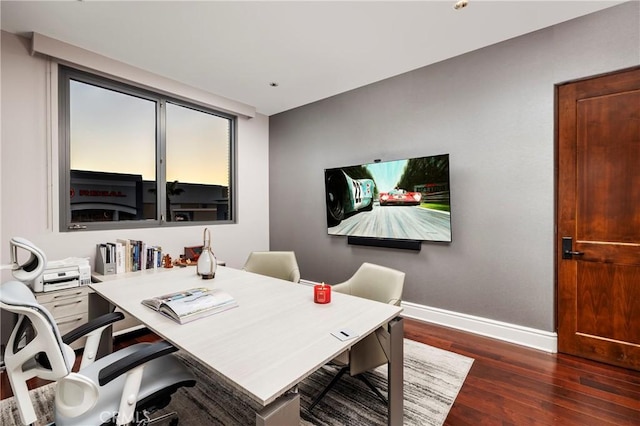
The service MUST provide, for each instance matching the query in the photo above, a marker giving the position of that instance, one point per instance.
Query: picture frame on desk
(192, 253)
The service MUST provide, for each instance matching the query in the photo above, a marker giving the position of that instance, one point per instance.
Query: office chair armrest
(93, 330)
(134, 360)
(92, 325)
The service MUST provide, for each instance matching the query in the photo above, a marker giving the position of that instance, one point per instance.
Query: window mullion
(161, 161)
(63, 155)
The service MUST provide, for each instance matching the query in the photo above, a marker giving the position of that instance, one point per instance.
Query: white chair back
(276, 264)
(35, 347)
(375, 282)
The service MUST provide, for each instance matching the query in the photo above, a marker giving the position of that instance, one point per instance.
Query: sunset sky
(115, 132)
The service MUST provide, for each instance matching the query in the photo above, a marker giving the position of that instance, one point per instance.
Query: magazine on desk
(188, 305)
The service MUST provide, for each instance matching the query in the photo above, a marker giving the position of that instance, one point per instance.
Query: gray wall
(492, 110)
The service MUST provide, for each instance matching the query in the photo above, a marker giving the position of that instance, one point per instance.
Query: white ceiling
(312, 49)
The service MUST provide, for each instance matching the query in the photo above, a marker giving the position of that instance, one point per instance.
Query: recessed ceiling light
(461, 4)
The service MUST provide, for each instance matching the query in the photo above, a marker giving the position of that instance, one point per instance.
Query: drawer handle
(67, 295)
(69, 321)
(67, 304)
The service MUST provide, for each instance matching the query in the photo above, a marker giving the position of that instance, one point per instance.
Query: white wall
(28, 187)
(493, 111)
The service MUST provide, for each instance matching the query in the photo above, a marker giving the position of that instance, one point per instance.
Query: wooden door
(598, 207)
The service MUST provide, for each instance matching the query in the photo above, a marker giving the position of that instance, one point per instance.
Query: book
(120, 262)
(126, 244)
(188, 305)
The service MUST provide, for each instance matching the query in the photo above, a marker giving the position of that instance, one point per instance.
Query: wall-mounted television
(391, 200)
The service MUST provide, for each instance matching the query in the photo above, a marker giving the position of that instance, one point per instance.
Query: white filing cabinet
(69, 307)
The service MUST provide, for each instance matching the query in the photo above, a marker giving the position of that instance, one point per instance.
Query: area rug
(432, 379)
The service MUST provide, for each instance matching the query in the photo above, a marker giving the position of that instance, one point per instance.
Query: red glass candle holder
(322, 293)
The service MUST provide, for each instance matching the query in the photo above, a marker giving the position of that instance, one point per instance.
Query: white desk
(273, 340)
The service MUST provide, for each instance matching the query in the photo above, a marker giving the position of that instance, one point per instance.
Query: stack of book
(126, 256)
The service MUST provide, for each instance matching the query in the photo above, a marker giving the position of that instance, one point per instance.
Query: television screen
(403, 199)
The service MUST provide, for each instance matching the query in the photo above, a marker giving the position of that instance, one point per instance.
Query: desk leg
(396, 372)
(284, 411)
(99, 306)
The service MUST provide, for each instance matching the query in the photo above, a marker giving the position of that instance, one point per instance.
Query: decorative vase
(207, 264)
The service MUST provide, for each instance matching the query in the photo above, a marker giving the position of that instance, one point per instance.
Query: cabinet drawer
(68, 323)
(67, 307)
(61, 294)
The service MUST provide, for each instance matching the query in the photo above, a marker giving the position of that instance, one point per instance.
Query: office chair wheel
(146, 419)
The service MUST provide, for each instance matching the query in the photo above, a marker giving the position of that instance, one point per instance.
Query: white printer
(61, 274)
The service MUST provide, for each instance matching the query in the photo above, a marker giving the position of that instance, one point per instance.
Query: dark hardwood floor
(513, 385)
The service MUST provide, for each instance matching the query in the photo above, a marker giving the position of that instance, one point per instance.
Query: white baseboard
(525, 336)
(512, 333)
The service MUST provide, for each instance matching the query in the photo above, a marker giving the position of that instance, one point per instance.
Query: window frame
(65, 75)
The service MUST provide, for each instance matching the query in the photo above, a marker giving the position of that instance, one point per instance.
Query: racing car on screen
(346, 196)
(400, 197)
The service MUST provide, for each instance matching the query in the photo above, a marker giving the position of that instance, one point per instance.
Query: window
(133, 158)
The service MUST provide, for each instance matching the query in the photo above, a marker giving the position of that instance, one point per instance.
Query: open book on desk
(188, 305)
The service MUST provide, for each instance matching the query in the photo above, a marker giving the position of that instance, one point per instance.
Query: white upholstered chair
(372, 282)
(276, 264)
